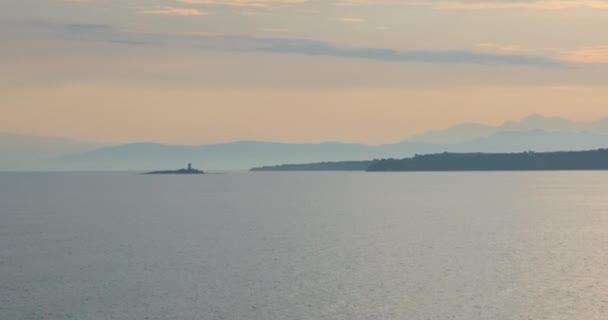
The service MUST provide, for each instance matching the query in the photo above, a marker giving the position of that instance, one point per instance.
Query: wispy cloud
(487, 53)
(584, 55)
(587, 55)
(296, 46)
(244, 3)
(173, 11)
(319, 48)
(533, 5)
(485, 4)
(515, 48)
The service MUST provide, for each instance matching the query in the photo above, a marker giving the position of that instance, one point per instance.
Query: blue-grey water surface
(262, 246)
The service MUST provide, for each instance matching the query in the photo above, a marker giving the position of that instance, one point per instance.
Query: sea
(263, 246)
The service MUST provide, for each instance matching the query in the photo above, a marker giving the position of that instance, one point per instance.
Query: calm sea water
(304, 246)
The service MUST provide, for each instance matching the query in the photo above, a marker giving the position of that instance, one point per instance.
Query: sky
(369, 71)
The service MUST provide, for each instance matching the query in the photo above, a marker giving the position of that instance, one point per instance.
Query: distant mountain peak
(539, 118)
(535, 117)
(470, 131)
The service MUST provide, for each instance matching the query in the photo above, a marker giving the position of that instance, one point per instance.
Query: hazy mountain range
(25, 152)
(470, 131)
(535, 132)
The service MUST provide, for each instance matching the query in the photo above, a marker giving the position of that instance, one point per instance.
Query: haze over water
(304, 246)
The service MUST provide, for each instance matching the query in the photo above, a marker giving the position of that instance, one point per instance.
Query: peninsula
(523, 161)
(188, 170)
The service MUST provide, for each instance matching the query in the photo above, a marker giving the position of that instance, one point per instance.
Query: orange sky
(364, 71)
(118, 114)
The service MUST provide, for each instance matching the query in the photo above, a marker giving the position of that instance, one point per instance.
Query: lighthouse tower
(189, 166)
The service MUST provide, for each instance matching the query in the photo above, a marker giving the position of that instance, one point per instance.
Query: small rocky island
(189, 170)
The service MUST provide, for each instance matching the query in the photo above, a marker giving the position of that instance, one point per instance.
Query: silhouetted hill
(580, 160)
